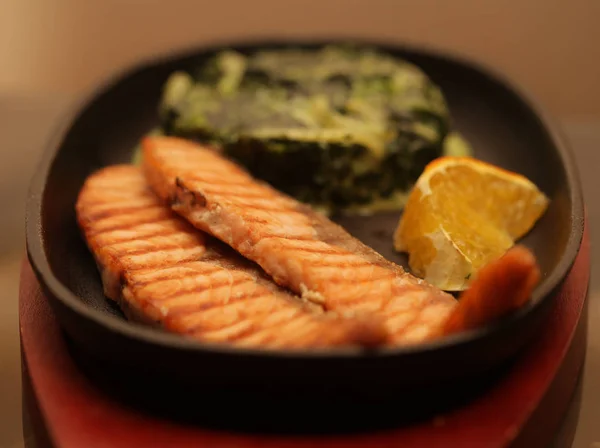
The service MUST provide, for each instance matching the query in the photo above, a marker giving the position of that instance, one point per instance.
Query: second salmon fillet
(297, 247)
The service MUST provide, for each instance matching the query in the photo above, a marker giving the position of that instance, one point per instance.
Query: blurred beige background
(53, 50)
(63, 46)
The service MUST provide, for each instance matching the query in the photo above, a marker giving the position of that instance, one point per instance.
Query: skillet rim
(41, 266)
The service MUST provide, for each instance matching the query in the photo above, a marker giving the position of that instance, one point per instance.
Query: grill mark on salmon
(142, 231)
(267, 236)
(225, 192)
(214, 318)
(158, 258)
(131, 239)
(106, 214)
(217, 319)
(196, 288)
(165, 275)
(97, 216)
(318, 251)
(307, 253)
(163, 271)
(146, 276)
(165, 246)
(170, 239)
(148, 218)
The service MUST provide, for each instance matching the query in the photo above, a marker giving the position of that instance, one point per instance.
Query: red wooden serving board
(524, 409)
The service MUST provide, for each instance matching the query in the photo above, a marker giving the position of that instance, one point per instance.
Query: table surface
(23, 142)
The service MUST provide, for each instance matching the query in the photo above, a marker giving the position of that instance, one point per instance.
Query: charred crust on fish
(183, 196)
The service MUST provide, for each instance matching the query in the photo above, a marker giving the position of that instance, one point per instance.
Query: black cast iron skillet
(297, 390)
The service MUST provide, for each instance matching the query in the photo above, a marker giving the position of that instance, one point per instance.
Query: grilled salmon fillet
(163, 271)
(300, 249)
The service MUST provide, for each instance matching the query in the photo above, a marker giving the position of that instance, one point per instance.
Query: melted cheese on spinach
(338, 127)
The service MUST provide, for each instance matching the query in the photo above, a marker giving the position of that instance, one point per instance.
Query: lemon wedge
(461, 214)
